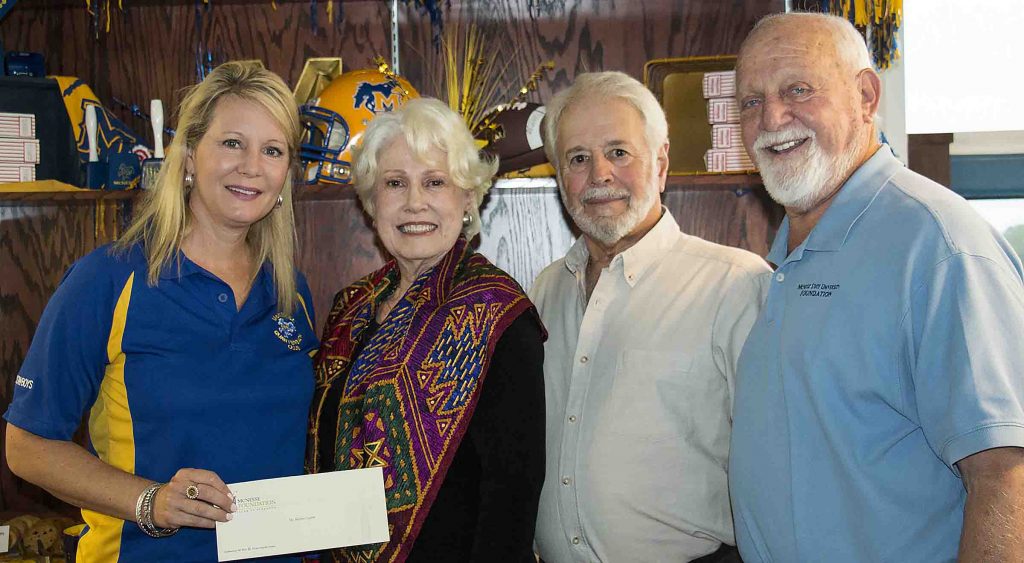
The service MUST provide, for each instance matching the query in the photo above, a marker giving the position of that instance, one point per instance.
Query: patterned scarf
(403, 397)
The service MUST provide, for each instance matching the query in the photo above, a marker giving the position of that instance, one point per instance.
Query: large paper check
(305, 513)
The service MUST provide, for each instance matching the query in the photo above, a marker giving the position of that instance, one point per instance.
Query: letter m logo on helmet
(334, 122)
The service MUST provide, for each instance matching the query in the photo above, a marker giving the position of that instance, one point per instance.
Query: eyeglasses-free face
(610, 182)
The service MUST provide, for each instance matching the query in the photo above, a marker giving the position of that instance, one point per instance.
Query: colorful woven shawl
(407, 393)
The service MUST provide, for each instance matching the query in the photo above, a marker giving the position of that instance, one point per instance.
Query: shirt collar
(853, 199)
(777, 254)
(637, 259)
(179, 267)
(576, 258)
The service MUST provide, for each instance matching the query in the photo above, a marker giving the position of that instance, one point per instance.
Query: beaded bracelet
(144, 513)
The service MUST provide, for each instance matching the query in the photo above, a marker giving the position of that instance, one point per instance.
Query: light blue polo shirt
(170, 376)
(888, 350)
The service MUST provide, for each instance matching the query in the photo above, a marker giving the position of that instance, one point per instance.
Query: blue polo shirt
(888, 350)
(172, 376)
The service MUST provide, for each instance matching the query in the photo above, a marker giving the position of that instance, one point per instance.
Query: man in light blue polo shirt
(879, 412)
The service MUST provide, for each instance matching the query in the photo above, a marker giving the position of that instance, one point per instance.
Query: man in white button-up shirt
(645, 325)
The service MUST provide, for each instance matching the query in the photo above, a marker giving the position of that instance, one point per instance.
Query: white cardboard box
(10, 172)
(19, 151)
(21, 125)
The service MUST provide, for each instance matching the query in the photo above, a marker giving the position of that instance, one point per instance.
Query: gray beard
(610, 230)
(801, 186)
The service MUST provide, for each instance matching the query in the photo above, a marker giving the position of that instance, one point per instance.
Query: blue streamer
(434, 9)
(200, 70)
(5, 6)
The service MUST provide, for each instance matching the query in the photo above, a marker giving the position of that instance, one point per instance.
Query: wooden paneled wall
(151, 52)
(38, 242)
(151, 48)
(929, 155)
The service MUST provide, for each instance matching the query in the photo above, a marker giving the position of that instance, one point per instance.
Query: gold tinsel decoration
(472, 74)
(384, 68)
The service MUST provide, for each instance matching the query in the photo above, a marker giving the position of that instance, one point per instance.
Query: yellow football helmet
(334, 121)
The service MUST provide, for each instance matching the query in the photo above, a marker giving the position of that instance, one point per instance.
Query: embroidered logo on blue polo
(821, 290)
(287, 332)
(23, 382)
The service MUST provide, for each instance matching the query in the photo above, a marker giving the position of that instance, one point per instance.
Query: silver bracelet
(144, 513)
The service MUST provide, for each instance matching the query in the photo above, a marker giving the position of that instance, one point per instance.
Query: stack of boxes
(19, 148)
(727, 153)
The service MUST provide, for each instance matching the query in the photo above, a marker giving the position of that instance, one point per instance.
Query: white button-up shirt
(639, 386)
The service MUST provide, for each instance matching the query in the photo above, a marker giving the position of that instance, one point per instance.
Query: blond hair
(164, 217)
(425, 123)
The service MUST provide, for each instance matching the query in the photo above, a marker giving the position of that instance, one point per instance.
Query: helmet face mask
(334, 122)
(325, 136)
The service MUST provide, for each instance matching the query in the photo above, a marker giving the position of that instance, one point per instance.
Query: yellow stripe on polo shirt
(111, 432)
(308, 319)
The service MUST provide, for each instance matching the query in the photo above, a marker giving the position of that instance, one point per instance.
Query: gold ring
(192, 491)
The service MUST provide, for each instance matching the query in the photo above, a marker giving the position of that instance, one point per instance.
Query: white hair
(849, 45)
(425, 123)
(608, 85)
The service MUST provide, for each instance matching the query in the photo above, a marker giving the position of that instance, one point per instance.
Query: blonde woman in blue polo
(188, 342)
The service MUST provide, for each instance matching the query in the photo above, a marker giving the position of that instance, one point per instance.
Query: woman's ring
(192, 491)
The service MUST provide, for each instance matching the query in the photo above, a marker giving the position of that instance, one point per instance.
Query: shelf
(520, 186)
(54, 191)
(84, 196)
(713, 181)
(53, 4)
(50, 191)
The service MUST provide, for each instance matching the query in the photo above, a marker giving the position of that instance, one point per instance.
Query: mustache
(603, 192)
(767, 139)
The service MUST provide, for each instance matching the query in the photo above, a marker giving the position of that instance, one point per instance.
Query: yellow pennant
(861, 14)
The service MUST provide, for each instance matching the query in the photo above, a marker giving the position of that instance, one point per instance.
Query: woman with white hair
(431, 367)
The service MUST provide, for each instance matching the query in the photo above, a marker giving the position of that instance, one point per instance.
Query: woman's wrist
(144, 507)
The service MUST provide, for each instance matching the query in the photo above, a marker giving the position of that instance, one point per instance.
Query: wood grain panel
(337, 246)
(587, 35)
(523, 230)
(928, 155)
(151, 49)
(743, 217)
(37, 245)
